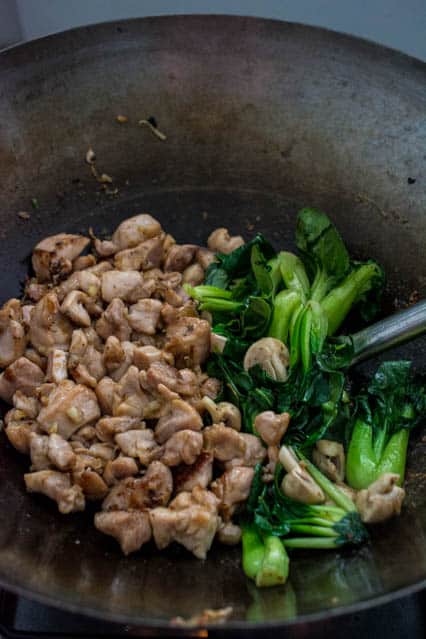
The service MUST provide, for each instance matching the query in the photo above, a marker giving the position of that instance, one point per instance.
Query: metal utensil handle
(393, 330)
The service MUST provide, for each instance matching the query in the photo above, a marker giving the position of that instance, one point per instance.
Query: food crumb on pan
(122, 119)
(24, 215)
(152, 125)
(208, 616)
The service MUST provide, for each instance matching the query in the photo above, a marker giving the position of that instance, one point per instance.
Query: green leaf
(261, 271)
(294, 274)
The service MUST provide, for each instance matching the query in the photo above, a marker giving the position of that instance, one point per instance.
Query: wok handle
(393, 330)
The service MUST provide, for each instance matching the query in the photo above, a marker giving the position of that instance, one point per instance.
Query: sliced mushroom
(271, 355)
(329, 456)
(299, 485)
(224, 412)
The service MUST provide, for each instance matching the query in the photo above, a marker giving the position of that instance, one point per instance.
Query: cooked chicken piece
(114, 321)
(135, 230)
(92, 484)
(118, 357)
(124, 285)
(329, 456)
(271, 427)
(232, 488)
(223, 412)
(83, 262)
(18, 430)
(85, 281)
(154, 488)
(49, 328)
(229, 534)
(79, 308)
(204, 257)
(108, 427)
(12, 334)
(27, 311)
(29, 406)
(105, 248)
(193, 275)
(119, 497)
(130, 529)
(70, 406)
(199, 474)
(35, 291)
(381, 500)
(107, 392)
(144, 316)
(132, 400)
(175, 297)
(139, 444)
(189, 341)
(179, 257)
(120, 468)
(60, 453)
(271, 355)
(191, 520)
(225, 443)
(35, 357)
(103, 450)
(254, 453)
(299, 485)
(183, 381)
(147, 255)
(38, 452)
(54, 255)
(172, 314)
(57, 486)
(181, 416)
(57, 366)
(43, 391)
(85, 461)
(85, 362)
(183, 447)
(22, 375)
(210, 388)
(101, 267)
(84, 436)
(221, 242)
(144, 356)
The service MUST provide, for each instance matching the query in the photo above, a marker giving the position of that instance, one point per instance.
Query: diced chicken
(38, 452)
(123, 285)
(254, 453)
(18, 431)
(189, 341)
(191, 520)
(27, 311)
(57, 366)
(232, 488)
(225, 443)
(132, 400)
(221, 242)
(83, 262)
(329, 456)
(147, 255)
(183, 381)
(299, 485)
(120, 468)
(21, 375)
(153, 489)
(139, 444)
(271, 426)
(91, 483)
(58, 487)
(114, 321)
(179, 257)
(117, 357)
(229, 534)
(181, 416)
(12, 334)
(205, 257)
(84, 436)
(49, 328)
(211, 388)
(108, 427)
(54, 255)
(101, 267)
(171, 314)
(29, 406)
(35, 357)
(183, 447)
(79, 307)
(193, 275)
(60, 453)
(35, 291)
(130, 233)
(144, 356)
(85, 281)
(381, 500)
(199, 474)
(130, 529)
(103, 450)
(70, 406)
(107, 393)
(144, 316)
(84, 461)
(85, 362)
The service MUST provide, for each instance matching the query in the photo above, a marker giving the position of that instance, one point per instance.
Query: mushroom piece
(224, 412)
(221, 242)
(287, 459)
(299, 485)
(329, 456)
(381, 500)
(54, 255)
(271, 426)
(271, 355)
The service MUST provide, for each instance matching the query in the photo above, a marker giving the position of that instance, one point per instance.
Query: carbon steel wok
(261, 118)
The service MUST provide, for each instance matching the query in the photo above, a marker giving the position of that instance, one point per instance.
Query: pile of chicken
(103, 366)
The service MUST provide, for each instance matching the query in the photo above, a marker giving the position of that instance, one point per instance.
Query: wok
(261, 117)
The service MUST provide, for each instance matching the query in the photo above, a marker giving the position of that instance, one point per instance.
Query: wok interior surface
(261, 118)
